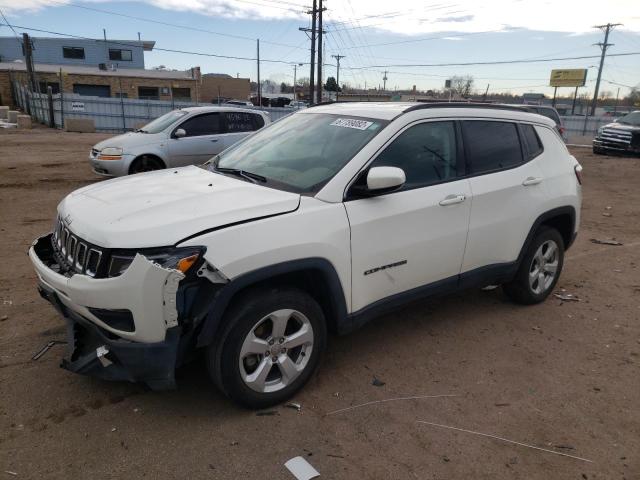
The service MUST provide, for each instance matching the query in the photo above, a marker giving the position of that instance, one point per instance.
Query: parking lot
(563, 376)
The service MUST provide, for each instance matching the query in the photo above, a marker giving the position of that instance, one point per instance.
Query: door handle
(214, 140)
(452, 200)
(531, 181)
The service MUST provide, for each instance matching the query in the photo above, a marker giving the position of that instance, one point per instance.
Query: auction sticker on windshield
(352, 123)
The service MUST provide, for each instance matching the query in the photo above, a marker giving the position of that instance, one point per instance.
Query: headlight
(600, 130)
(177, 258)
(110, 153)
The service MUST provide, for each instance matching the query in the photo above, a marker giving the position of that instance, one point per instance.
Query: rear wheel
(145, 163)
(271, 346)
(540, 268)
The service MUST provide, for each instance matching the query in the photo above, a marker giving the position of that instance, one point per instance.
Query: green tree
(332, 85)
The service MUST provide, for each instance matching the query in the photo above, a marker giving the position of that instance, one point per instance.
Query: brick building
(225, 86)
(94, 81)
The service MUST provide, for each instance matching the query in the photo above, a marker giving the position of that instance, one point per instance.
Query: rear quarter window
(532, 143)
(491, 146)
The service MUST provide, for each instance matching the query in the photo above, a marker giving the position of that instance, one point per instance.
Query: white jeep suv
(314, 224)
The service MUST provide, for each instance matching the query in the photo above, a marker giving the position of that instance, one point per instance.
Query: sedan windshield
(160, 123)
(632, 118)
(301, 152)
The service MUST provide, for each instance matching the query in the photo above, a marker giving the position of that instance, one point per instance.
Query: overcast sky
(374, 36)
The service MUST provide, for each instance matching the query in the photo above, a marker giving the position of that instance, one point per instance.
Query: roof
(90, 70)
(147, 45)
(390, 110)
(220, 109)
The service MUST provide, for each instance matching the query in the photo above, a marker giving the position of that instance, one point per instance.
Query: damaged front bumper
(120, 328)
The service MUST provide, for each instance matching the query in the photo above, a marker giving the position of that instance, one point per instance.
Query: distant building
(224, 87)
(92, 81)
(78, 52)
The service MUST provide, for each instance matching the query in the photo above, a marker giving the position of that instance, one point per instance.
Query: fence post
(61, 100)
(124, 123)
(52, 118)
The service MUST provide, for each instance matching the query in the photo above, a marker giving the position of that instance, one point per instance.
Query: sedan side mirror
(179, 133)
(380, 180)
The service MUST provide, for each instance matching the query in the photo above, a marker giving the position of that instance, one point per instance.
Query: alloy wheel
(544, 267)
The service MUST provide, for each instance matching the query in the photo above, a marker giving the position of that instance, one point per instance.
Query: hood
(131, 139)
(161, 208)
(623, 126)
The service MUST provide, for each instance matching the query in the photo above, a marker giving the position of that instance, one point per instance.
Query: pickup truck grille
(616, 137)
(73, 253)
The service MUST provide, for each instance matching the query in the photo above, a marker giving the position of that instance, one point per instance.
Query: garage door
(92, 90)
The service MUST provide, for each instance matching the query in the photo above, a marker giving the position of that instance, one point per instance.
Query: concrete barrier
(3, 112)
(12, 116)
(82, 125)
(24, 121)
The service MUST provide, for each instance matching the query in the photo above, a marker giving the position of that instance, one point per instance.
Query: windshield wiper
(252, 177)
(140, 130)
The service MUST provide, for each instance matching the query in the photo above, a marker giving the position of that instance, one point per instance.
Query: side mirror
(179, 133)
(380, 180)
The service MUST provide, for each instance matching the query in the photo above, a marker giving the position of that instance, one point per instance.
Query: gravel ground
(563, 376)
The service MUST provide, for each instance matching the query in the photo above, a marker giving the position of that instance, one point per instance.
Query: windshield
(632, 118)
(301, 152)
(160, 123)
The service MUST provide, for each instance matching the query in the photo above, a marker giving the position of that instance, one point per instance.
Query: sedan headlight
(110, 153)
(177, 258)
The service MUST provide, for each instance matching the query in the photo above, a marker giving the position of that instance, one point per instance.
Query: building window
(55, 87)
(73, 52)
(181, 93)
(149, 93)
(119, 55)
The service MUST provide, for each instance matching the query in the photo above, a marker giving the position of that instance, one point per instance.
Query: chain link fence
(114, 115)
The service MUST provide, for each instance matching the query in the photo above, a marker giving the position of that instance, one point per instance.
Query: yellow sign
(575, 77)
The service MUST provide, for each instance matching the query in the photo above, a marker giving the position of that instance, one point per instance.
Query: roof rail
(489, 106)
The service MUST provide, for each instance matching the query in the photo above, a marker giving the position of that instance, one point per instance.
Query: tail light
(561, 130)
(578, 170)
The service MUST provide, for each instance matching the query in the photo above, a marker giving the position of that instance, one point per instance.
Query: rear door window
(240, 122)
(491, 146)
(205, 124)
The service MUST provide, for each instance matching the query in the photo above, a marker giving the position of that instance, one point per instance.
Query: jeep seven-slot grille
(73, 253)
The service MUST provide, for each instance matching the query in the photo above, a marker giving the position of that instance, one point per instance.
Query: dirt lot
(560, 376)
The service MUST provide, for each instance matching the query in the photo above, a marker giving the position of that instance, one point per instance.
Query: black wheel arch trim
(545, 217)
(226, 293)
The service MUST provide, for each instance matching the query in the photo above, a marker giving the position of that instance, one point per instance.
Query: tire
(145, 163)
(268, 320)
(544, 254)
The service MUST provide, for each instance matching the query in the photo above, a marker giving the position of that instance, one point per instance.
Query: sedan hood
(130, 139)
(163, 207)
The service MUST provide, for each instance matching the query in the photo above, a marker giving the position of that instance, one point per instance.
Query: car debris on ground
(605, 242)
(301, 469)
(46, 348)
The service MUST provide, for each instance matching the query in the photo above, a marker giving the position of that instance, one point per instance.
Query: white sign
(77, 106)
(352, 123)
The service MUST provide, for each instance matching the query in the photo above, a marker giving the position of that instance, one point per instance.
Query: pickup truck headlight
(600, 130)
(110, 153)
(177, 258)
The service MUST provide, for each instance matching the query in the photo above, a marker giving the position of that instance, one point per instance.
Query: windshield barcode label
(352, 123)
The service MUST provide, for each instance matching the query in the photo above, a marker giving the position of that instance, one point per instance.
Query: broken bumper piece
(119, 328)
(94, 351)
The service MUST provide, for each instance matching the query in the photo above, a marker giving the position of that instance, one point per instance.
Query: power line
(493, 62)
(185, 52)
(8, 24)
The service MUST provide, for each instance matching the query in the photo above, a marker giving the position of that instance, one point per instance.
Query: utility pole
(295, 72)
(312, 12)
(28, 57)
(320, 59)
(384, 80)
(259, 85)
(603, 46)
(338, 57)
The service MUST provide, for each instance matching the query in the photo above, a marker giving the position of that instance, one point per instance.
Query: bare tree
(462, 85)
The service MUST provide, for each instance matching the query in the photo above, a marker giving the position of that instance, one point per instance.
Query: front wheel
(145, 163)
(540, 268)
(270, 348)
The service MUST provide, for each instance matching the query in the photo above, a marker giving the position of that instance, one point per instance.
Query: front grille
(615, 136)
(74, 254)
